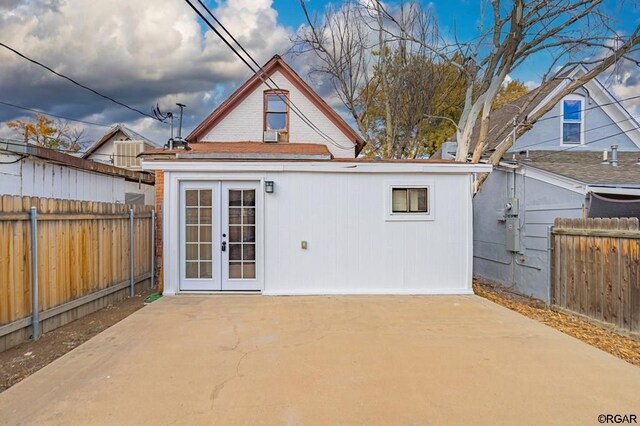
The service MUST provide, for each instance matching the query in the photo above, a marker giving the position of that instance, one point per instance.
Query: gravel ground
(609, 341)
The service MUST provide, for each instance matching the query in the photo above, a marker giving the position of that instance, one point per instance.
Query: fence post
(153, 248)
(35, 306)
(131, 250)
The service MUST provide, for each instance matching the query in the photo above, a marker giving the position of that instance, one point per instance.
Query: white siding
(245, 122)
(36, 178)
(351, 247)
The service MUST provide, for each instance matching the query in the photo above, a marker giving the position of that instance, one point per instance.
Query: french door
(219, 236)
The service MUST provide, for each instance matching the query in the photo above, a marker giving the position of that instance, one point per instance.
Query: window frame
(391, 216)
(265, 111)
(572, 97)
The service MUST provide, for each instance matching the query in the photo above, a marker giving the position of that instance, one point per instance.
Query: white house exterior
(304, 215)
(28, 170)
(119, 147)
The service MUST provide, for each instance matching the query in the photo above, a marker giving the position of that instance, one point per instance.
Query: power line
(76, 83)
(53, 115)
(586, 131)
(297, 110)
(592, 107)
(291, 105)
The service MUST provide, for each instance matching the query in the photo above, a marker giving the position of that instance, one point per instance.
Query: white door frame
(171, 223)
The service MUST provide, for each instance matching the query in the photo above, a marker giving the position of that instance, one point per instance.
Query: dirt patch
(25, 359)
(607, 340)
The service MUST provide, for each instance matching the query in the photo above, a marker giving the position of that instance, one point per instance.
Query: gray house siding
(526, 271)
(545, 134)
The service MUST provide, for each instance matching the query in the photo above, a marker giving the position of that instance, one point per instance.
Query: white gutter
(614, 189)
(312, 166)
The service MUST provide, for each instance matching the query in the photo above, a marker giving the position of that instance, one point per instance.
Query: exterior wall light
(268, 186)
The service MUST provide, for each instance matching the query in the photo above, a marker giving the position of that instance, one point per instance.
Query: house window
(572, 120)
(276, 110)
(409, 200)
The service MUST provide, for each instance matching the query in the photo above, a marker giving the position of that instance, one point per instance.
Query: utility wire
(297, 110)
(592, 107)
(291, 105)
(586, 131)
(54, 115)
(77, 83)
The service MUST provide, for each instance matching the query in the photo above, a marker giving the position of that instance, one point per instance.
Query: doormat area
(601, 338)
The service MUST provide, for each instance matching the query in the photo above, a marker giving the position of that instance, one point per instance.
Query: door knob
(224, 246)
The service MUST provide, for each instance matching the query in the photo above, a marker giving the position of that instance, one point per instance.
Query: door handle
(224, 246)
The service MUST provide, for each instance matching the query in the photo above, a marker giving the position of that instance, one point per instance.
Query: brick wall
(159, 201)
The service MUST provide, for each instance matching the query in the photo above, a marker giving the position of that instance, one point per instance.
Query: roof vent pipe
(605, 156)
(614, 155)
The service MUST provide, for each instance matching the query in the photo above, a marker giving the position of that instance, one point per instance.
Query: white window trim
(572, 97)
(390, 216)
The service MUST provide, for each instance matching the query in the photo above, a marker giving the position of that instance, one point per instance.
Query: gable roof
(540, 96)
(586, 166)
(132, 135)
(275, 64)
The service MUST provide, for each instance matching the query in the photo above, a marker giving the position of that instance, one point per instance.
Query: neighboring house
(556, 169)
(29, 170)
(119, 147)
(261, 201)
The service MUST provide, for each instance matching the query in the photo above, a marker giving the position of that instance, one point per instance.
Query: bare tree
(387, 85)
(516, 30)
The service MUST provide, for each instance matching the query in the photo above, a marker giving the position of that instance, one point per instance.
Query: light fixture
(268, 186)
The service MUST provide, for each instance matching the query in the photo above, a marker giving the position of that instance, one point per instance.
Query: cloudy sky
(149, 52)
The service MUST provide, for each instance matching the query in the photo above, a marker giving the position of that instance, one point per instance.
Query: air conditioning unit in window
(270, 136)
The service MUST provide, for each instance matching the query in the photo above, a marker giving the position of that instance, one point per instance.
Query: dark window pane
(249, 197)
(235, 197)
(276, 103)
(192, 270)
(192, 197)
(234, 216)
(235, 251)
(235, 270)
(205, 198)
(248, 252)
(249, 216)
(205, 215)
(418, 200)
(206, 269)
(192, 252)
(276, 121)
(399, 200)
(249, 234)
(571, 133)
(249, 271)
(205, 251)
(192, 234)
(192, 215)
(234, 234)
(205, 234)
(572, 110)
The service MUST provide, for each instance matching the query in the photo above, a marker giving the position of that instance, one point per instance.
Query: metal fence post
(131, 250)
(153, 248)
(35, 306)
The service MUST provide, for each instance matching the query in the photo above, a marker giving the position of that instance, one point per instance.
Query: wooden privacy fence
(66, 254)
(596, 270)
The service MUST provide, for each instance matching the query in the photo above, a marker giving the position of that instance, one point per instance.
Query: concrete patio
(235, 359)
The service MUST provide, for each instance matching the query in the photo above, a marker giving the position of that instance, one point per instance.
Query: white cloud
(140, 52)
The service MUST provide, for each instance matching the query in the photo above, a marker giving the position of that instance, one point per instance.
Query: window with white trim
(572, 120)
(409, 201)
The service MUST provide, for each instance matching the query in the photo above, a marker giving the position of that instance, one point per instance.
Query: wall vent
(125, 154)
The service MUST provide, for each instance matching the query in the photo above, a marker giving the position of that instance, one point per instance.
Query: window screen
(409, 200)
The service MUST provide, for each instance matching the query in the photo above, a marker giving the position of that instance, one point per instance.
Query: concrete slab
(238, 359)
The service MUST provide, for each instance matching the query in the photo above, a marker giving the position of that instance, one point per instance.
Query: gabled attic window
(276, 113)
(572, 120)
